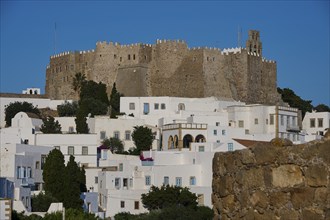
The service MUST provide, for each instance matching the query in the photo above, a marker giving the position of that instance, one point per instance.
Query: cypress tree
(53, 171)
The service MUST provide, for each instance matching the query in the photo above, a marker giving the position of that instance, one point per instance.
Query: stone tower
(253, 44)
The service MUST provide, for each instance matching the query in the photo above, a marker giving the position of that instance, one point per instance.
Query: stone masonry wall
(167, 68)
(272, 182)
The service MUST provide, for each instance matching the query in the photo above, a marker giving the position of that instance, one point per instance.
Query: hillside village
(187, 132)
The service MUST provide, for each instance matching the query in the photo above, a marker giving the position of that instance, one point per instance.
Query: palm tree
(78, 80)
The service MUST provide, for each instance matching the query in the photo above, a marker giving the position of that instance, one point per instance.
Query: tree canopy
(114, 144)
(91, 89)
(143, 138)
(50, 126)
(13, 108)
(167, 196)
(81, 123)
(67, 109)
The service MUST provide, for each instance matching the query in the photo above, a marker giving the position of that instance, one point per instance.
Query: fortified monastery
(169, 68)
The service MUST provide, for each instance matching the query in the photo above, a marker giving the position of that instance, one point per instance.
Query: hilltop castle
(169, 68)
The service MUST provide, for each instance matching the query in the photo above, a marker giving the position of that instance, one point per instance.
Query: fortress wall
(215, 83)
(269, 81)
(273, 182)
(255, 92)
(235, 71)
(167, 57)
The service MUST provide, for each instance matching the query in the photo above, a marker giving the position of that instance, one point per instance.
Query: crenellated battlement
(61, 54)
(227, 51)
(268, 61)
(159, 41)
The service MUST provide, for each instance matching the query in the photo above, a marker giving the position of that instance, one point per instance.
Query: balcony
(293, 128)
(26, 181)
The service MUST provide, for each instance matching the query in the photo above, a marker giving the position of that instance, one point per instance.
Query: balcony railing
(293, 128)
(27, 181)
(147, 163)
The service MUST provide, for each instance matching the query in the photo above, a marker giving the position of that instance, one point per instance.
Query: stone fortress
(169, 68)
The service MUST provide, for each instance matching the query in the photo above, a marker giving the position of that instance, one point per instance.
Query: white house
(316, 124)
(22, 165)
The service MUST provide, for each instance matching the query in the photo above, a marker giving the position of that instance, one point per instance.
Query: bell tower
(253, 44)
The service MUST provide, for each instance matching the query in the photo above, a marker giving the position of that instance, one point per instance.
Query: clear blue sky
(294, 33)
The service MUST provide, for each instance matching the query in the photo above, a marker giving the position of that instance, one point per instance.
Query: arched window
(176, 141)
(181, 106)
(187, 139)
(200, 138)
(170, 142)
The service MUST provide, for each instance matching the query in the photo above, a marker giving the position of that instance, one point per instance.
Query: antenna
(55, 39)
(239, 36)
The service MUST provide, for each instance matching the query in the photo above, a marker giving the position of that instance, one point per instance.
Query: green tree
(82, 180)
(295, 101)
(81, 123)
(115, 101)
(72, 185)
(41, 202)
(78, 80)
(167, 196)
(143, 138)
(53, 171)
(114, 144)
(13, 108)
(67, 109)
(93, 107)
(91, 89)
(50, 126)
(322, 108)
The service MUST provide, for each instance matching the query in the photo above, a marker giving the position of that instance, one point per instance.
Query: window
(136, 205)
(312, 122)
(218, 141)
(181, 107)
(18, 173)
(133, 56)
(282, 120)
(247, 131)
(148, 180)
(37, 165)
(120, 59)
(125, 183)
(241, 124)
(132, 106)
(127, 135)
(117, 183)
(146, 108)
(122, 204)
(192, 181)
(256, 121)
(84, 150)
(121, 167)
(131, 182)
(201, 148)
(71, 150)
(102, 135)
(215, 132)
(29, 172)
(163, 106)
(57, 147)
(33, 130)
(129, 57)
(271, 119)
(96, 180)
(178, 181)
(320, 122)
(116, 134)
(156, 106)
(114, 56)
(166, 180)
(230, 147)
(217, 124)
(71, 129)
(267, 121)
(223, 132)
(43, 161)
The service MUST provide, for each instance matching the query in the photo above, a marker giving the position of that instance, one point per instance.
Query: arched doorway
(176, 141)
(200, 138)
(187, 139)
(170, 142)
